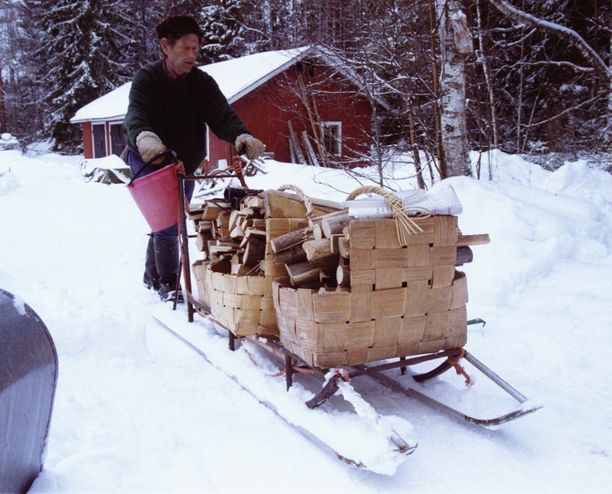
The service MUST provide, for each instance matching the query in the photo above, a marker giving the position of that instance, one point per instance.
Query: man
(170, 103)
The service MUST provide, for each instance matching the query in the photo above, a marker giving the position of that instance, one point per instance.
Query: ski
(363, 438)
(523, 408)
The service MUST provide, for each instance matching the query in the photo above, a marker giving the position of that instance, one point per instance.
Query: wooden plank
(299, 154)
(476, 239)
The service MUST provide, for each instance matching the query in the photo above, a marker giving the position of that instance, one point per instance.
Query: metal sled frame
(293, 365)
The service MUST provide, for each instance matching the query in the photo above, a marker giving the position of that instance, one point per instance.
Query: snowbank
(130, 419)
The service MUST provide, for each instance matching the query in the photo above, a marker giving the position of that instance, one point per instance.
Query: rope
(301, 195)
(454, 361)
(404, 224)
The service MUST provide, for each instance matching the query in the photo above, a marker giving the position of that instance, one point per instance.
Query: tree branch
(564, 32)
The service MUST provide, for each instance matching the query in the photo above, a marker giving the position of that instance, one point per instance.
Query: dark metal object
(331, 386)
(477, 321)
(28, 377)
(289, 371)
(234, 195)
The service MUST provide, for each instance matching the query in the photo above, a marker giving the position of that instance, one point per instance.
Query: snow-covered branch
(564, 32)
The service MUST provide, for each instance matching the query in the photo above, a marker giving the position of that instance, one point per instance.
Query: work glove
(252, 147)
(149, 145)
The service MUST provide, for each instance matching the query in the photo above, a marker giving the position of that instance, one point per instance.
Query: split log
(212, 209)
(343, 276)
(279, 204)
(254, 251)
(307, 272)
(317, 249)
(478, 239)
(253, 202)
(291, 256)
(291, 239)
(334, 243)
(334, 223)
(317, 231)
(344, 246)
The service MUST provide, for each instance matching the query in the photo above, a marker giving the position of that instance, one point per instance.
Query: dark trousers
(162, 258)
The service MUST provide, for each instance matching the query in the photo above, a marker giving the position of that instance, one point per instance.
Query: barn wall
(267, 109)
(87, 140)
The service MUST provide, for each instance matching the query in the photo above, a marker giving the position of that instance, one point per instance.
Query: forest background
(527, 89)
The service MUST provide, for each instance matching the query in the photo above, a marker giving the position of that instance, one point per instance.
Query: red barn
(301, 103)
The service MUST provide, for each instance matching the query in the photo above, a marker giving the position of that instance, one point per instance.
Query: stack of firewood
(314, 255)
(237, 234)
(318, 255)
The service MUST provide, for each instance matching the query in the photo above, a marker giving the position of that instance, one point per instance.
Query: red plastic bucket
(157, 197)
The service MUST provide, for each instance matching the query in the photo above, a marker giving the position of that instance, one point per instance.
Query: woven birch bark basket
(405, 296)
(241, 303)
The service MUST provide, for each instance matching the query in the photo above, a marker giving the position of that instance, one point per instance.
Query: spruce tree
(80, 56)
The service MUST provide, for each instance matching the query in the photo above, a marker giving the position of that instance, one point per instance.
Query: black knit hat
(176, 26)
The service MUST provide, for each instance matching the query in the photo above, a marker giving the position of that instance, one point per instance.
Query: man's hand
(149, 146)
(179, 168)
(252, 147)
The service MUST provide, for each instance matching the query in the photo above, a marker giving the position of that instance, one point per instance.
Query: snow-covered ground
(132, 417)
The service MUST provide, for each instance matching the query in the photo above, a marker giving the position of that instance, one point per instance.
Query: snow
(235, 78)
(134, 413)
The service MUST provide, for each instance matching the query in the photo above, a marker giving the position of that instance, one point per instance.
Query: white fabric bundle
(439, 200)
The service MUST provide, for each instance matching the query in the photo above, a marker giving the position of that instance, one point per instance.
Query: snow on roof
(235, 77)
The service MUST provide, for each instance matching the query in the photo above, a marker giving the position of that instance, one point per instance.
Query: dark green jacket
(178, 110)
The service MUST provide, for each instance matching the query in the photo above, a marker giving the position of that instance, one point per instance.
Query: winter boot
(150, 278)
(167, 264)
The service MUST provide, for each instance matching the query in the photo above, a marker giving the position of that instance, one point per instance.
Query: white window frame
(338, 125)
(93, 142)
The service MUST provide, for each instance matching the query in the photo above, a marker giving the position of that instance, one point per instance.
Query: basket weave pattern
(402, 301)
(243, 304)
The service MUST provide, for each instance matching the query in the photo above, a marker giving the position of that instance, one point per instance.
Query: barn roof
(235, 78)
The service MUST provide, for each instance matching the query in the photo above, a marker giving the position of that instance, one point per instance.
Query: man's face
(182, 55)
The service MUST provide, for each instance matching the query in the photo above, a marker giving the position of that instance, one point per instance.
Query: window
(332, 137)
(118, 138)
(99, 140)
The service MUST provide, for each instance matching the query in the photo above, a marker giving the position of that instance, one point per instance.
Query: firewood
(478, 239)
(205, 226)
(237, 232)
(344, 246)
(202, 241)
(252, 202)
(212, 209)
(305, 272)
(291, 256)
(288, 205)
(464, 255)
(333, 224)
(343, 275)
(317, 249)
(290, 239)
(240, 269)
(333, 243)
(254, 251)
(317, 231)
